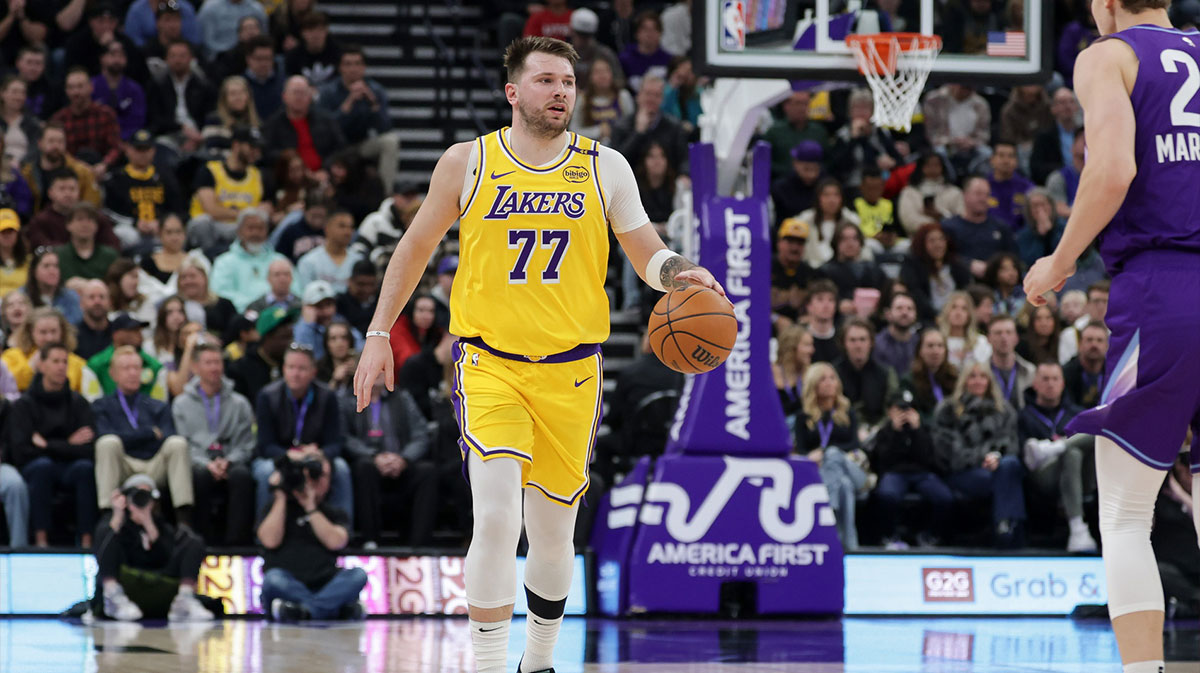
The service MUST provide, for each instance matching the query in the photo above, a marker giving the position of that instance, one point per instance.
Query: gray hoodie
(235, 428)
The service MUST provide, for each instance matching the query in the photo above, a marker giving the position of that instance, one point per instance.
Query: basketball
(692, 329)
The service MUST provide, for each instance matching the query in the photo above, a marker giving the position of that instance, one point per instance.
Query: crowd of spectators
(197, 201)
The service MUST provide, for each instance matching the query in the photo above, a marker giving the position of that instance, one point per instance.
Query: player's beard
(538, 123)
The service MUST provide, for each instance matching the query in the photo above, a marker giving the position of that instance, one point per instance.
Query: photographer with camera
(299, 417)
(904, 457)
(218, 424)
(137, 434)
(135, 544)
(301, 534)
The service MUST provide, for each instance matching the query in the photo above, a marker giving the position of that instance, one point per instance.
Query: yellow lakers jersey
(533, 251)
(237, 194)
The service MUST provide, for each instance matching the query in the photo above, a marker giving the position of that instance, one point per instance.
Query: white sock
(112, 589)
(1076, 523)
(1146, 667)
(490, 642)
(187, 590)
(540, 636)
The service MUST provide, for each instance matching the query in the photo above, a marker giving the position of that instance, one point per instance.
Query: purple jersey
(1162, 208)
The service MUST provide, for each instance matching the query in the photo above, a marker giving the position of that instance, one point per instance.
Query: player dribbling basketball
(529, 308)
(1140, 192)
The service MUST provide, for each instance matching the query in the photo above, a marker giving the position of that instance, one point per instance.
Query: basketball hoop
(896, 66)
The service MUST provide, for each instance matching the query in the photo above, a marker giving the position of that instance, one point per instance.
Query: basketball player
(1139, 192)
(534, 204)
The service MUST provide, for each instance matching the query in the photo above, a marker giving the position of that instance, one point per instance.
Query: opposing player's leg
(491, 565)
(549, 528)
(1128, 489)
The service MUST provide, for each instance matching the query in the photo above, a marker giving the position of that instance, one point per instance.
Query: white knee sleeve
(491, 566)
(550, 529)
(1128, 489)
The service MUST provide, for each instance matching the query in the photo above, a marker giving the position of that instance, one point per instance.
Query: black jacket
(915, 276)
(139, 442)
(276, 412)
(251, 373)
(666, 131)
(56, 416)
(844, 437)
(1046, 156)
(868, 388)
(280, 135)
(1033, 421)
(853, 274)
(199, 97)
(906, 450)
(402, 430)
(1082, 388)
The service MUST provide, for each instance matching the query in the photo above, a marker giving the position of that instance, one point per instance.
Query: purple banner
(735, 409)
(707, 521)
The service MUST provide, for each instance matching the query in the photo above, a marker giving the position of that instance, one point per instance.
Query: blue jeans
(341, 487)
(343, 589)
(843, 479)
(15, 497)
(44, 474)
(892, 488)
(1003, 485)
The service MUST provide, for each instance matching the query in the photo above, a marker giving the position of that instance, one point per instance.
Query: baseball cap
(126, 321)
(317, 292)
(406, 187)
(142, 140)
(168, 7)
(247, 134)
(140, 480)
(448, 265)
(808, 150)
(794, 228)
(9, 219)
(900, 398)
(584, 20)
(274, 317)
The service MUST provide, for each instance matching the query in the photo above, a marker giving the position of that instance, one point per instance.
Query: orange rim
(885, 42)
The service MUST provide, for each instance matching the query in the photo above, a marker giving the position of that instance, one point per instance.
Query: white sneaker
(1081, 541)
(1039, 452)
(188, 608)
(895, 544)
(119, 607)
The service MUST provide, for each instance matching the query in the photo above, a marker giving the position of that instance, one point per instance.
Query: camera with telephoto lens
(138, 497)
(294, 473)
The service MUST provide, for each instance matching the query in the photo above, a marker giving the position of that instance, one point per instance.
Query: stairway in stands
(436, 61)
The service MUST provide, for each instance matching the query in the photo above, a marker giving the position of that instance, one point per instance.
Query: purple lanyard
(130, 414)
(1045, 419)
(794, 393)
(213, 414)
(301, 410)
(1090, 380)
(1008, 384)
(376, 411)
(825, 429)
(936, 388)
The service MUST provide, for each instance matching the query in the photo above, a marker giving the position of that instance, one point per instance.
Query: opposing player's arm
(1104, 74)
(438, 212)
(661, 268)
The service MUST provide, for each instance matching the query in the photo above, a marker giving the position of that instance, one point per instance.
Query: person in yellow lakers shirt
(534, 205)
(225, 188)
(14, 253)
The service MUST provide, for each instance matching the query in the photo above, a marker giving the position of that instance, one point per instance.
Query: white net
(896, 72)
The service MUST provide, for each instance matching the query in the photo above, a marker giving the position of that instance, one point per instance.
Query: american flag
(1006, 44)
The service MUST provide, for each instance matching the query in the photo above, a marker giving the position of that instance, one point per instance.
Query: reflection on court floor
(429, 645)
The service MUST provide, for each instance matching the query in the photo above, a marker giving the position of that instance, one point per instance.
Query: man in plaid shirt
(93, 133)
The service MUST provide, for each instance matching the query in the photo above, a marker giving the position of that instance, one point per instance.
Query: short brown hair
(521, 48)
(122, 352)
(1135, 6)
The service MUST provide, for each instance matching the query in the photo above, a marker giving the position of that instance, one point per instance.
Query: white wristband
(654, 268)
(378, 333)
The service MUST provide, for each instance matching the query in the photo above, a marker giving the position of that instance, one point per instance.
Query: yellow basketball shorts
(542, 413)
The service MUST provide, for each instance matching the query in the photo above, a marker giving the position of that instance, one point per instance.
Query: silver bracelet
(378, 333)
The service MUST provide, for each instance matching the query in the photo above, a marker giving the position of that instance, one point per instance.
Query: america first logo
(509, 202)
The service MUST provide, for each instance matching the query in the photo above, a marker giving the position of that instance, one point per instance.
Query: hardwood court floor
(586, 646)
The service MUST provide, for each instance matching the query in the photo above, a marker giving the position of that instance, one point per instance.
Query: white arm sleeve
(625, 211)
(469, 176)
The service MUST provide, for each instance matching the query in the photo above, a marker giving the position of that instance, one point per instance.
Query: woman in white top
(823, 218)
(963, 339)
(928, 195)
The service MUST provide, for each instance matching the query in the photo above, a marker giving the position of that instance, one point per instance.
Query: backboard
(984, 41)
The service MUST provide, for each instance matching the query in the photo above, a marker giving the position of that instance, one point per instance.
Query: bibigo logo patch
(576, 174)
